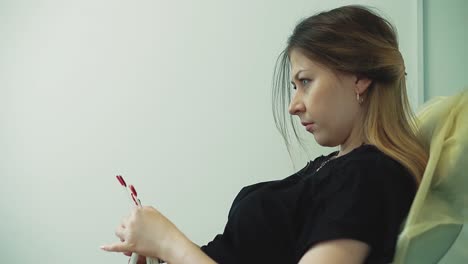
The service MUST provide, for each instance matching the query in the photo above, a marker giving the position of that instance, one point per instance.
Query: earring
(359, 99)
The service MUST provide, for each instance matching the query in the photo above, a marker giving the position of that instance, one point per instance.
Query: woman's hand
(141, 259)
(149, 233)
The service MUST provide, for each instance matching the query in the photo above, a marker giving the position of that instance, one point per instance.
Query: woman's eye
(303, 83)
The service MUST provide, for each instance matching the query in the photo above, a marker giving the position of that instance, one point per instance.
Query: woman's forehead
(300, 62)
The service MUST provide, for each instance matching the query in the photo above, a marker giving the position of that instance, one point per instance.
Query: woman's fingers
(144, 231)
(141, 259)
(119, 232)
(117, 247)
(124, 220)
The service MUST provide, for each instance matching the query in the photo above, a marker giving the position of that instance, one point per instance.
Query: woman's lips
(309, 126)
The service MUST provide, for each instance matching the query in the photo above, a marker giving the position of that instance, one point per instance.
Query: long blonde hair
(354, 39)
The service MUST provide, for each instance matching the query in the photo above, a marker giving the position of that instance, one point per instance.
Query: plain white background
(173, 95)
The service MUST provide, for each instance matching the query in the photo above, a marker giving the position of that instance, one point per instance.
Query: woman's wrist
(187, 252)
(178, 249)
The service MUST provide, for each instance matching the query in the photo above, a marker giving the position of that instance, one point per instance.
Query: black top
(364, 195)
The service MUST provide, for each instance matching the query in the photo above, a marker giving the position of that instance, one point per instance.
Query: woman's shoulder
(363, 173)
(369, 162)
(366, 157)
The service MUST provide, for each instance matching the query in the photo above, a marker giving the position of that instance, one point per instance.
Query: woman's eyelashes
(302, 81)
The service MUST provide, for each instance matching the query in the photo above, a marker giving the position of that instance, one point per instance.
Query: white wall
(445, 71)
(173, 95)
(445, 50)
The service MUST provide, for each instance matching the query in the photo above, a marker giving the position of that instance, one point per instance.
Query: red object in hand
(121, 180)
(133, 190)
(133, 197)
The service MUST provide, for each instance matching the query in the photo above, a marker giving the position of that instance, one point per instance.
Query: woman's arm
(149, 233)
(189, 253)
(338, 251)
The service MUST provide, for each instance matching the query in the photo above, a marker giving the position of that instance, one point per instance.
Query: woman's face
(326, 100)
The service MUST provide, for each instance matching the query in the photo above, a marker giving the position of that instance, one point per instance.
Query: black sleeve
(349, 206)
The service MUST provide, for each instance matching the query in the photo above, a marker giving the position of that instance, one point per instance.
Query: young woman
(348, 80)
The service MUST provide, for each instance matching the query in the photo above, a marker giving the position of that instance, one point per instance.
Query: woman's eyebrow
(296, 75)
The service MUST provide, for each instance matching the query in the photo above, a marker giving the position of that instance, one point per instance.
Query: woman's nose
(296, 106)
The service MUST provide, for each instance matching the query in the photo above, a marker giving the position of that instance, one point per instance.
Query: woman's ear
(362, 83)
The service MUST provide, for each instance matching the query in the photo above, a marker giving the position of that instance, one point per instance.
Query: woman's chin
(320, 141)
(324, 142)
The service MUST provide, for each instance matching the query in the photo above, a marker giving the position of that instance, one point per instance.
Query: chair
(433, 230)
